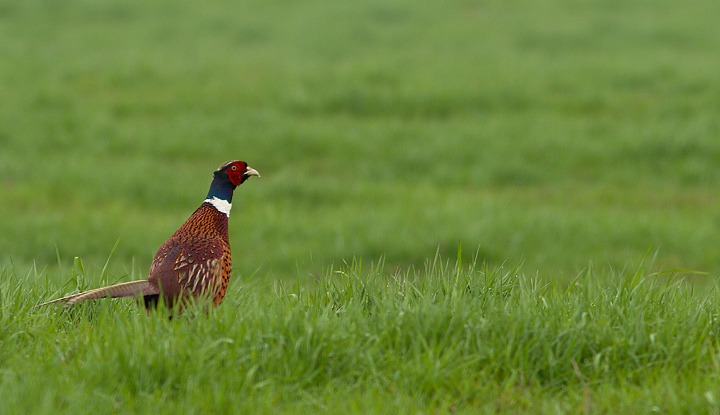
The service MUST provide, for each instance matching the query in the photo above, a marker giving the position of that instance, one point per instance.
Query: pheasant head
(226, 178)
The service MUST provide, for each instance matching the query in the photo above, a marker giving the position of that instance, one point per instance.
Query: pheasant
(194, 263)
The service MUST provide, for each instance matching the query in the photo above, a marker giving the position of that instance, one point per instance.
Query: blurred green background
(557, 132)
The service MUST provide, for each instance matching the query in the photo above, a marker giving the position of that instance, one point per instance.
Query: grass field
(442, 339)
(552, 134)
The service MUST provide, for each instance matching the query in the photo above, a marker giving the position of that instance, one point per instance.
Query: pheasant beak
(250, 172)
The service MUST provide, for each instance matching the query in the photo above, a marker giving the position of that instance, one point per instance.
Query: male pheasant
(195, 261)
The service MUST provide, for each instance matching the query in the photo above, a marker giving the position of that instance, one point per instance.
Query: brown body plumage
(195, 262)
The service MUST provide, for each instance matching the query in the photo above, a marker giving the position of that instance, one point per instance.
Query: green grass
(444, 338)
(555, 134)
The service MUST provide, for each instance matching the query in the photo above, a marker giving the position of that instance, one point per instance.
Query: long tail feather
(124, 289)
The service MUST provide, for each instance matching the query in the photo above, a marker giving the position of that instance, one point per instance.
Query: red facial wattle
(235, 172)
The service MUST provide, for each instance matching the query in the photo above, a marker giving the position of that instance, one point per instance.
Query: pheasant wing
(183, 270)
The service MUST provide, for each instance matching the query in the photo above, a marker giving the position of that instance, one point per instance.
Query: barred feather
(125, 289)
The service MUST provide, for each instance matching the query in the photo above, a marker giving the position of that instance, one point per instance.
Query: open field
(444, 339)
(555, 134)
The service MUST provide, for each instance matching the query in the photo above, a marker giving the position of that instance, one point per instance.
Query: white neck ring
(220, 204)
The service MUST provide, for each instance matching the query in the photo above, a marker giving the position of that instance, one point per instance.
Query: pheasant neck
(221, 205)
(220, 194)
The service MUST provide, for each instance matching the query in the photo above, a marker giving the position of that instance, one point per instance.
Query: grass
(553, 134)
(444, 338)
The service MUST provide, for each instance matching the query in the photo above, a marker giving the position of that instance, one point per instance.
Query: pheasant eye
(233, 168)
